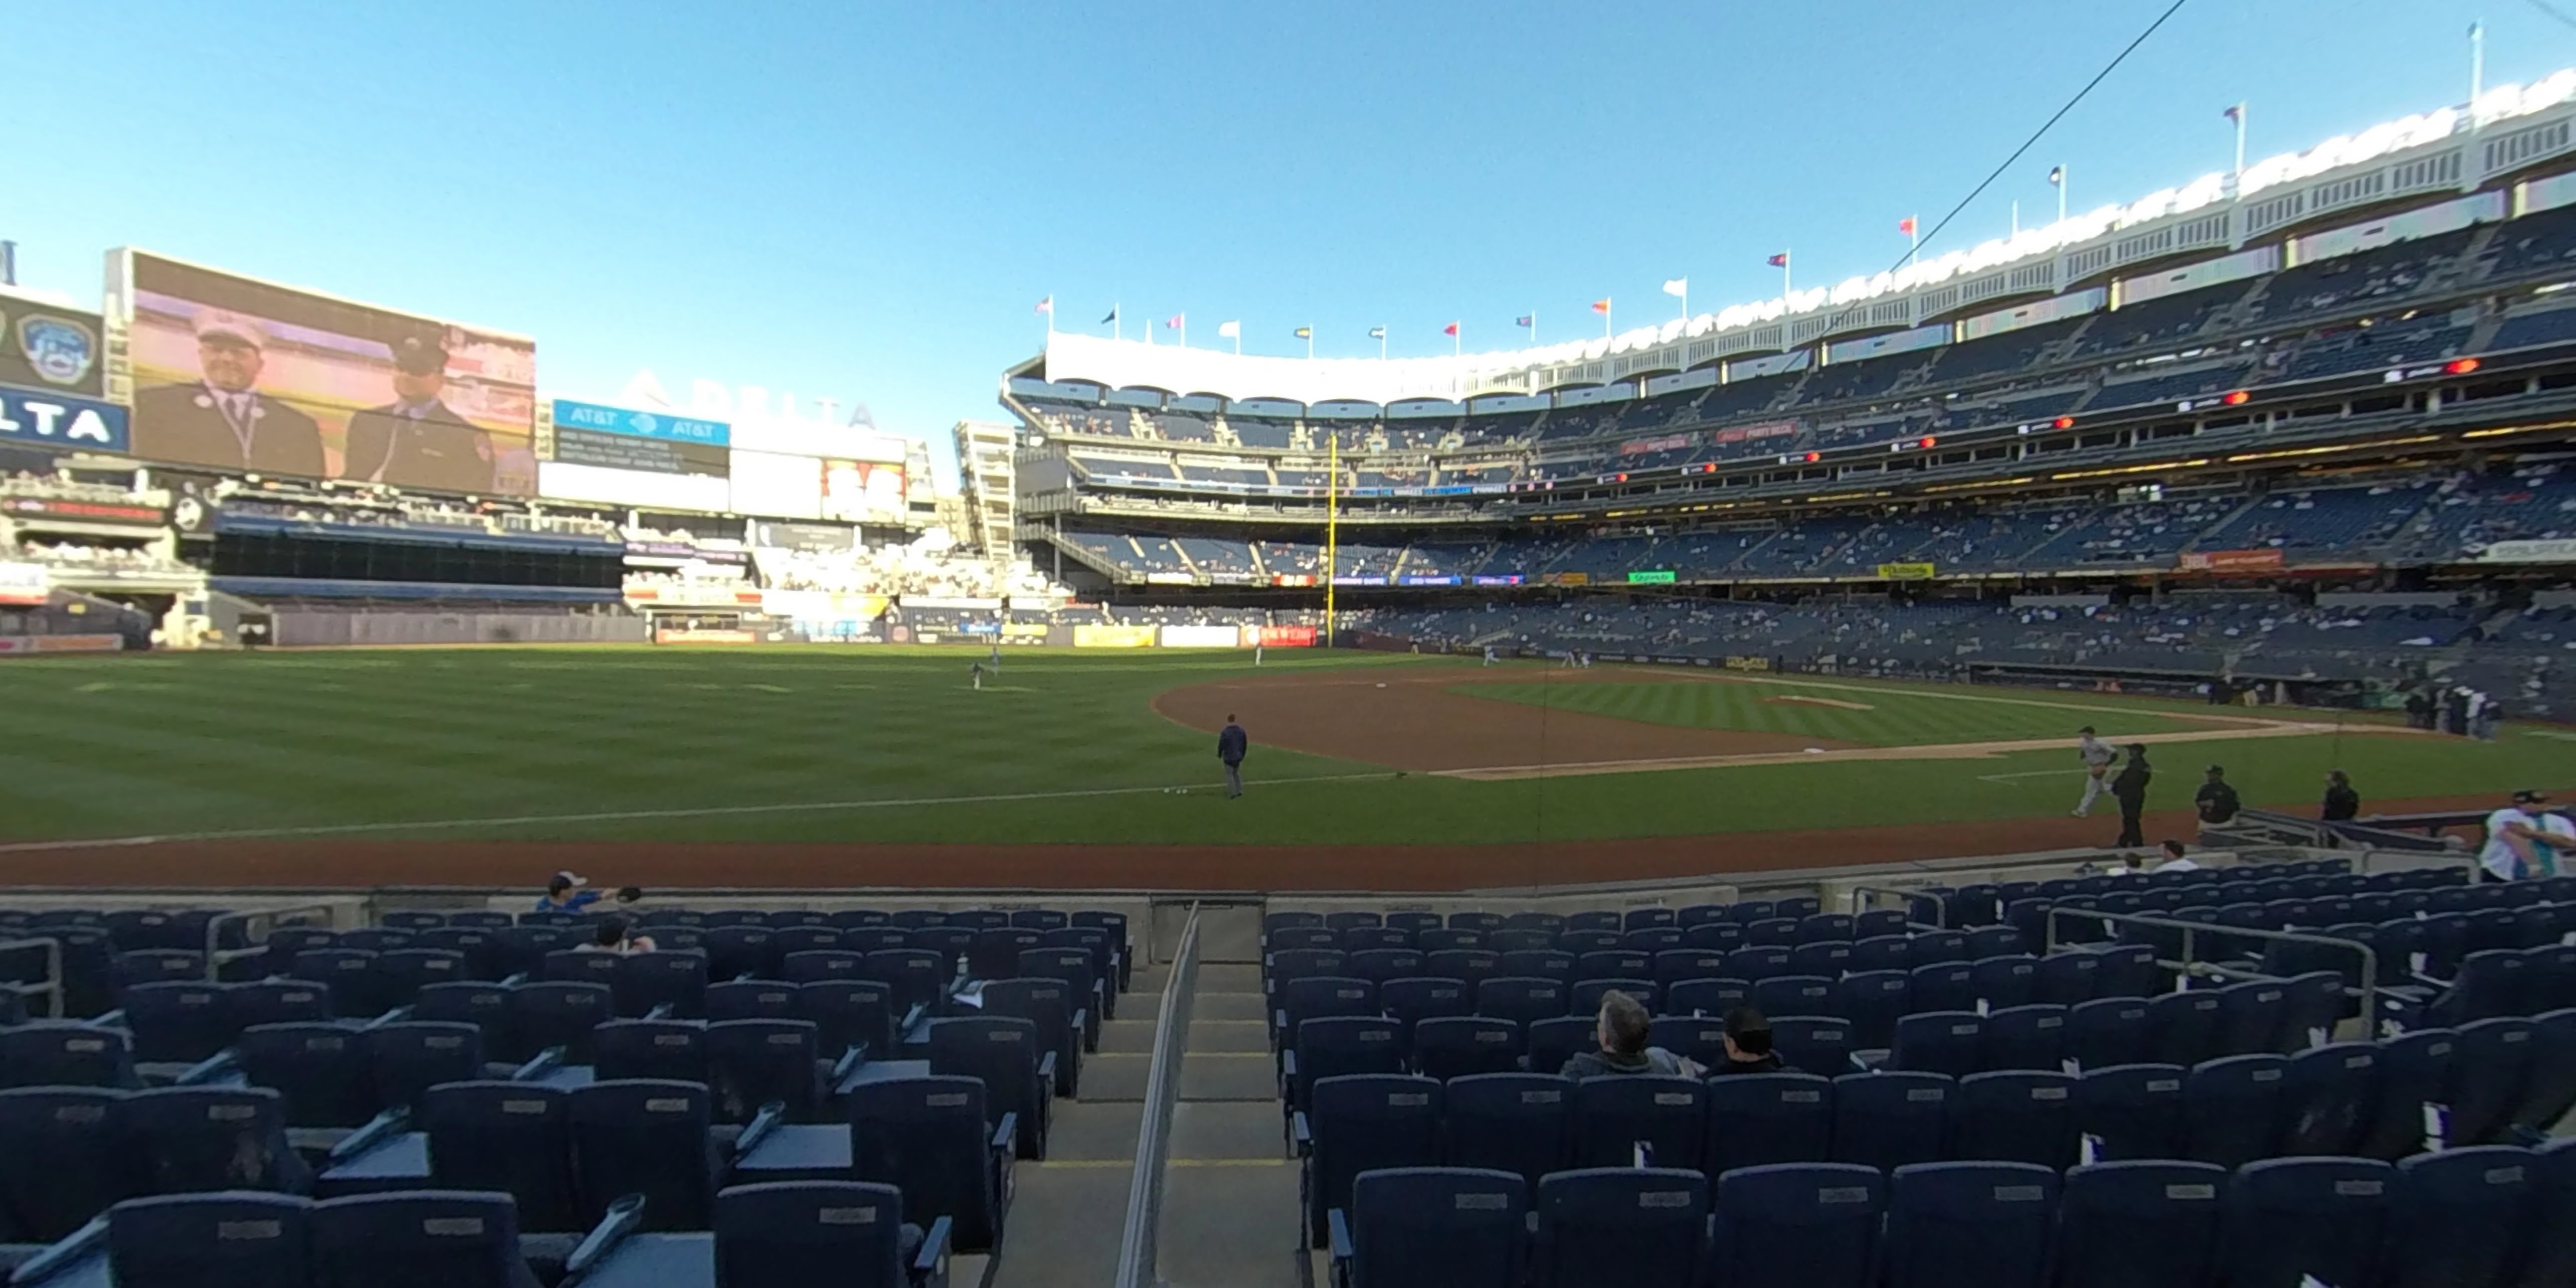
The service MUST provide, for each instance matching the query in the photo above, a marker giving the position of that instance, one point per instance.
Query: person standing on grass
(2098, 758)
(1231, 744)
(2130, 789)
(979, 677)
(2342, 803)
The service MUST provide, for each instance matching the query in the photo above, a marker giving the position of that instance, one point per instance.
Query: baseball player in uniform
(2097, 756)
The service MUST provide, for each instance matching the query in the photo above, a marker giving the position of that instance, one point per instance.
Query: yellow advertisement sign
(1906, 571)
(1113, 637)
(1024, 631)
(1744, 663)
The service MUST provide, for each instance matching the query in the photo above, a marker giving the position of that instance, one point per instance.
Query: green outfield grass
(890, 744)
(1896, 717)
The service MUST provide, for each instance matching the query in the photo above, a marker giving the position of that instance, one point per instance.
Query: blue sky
(865, 201)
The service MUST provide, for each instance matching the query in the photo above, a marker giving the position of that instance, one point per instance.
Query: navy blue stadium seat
(737, 951)
(1552, 1042)
(2551, 1256)
(240, 1240)
(665, 1050)
(1650, 1223)
(321, 1071)
(65, 1053)
(1614, 1115)
(2290, 1218)
(2003, 980)
(1937, 947)
(1693, 1037)
(2232, 1109)
(1430, 1227)
(1873, 1001)
(2024, 1037)
(1678, 964)
(1794, 995)
(1944, 1042)
(512, 1138)
(2549, 1090)
(403, 972)
(419, 1239)
(1942, 986)
(1759, 1119)
(2132, 1111)
(60, 1161)
(851, 1012)
(1004, 1054)
(2145, 1224)
(1043, 1003)
(753, 1062)
(1829, 959)
(2414, 1070)
(1815, 1225)
(180, 1022)
(277, 1001)
(557, 1013)
(1318, 997)
(933, 1139)
(1513, 1122)
(2251, 1017)
(1363, 1123)
(1457, 1046)
(751, 999)
(677, 980)
(1757, 963)
(2326, 1098)
(2067, 979)
(1882, 952)
(2019, 1116)
(1970, 1225)
(1378, 965)
(1522, 999)
(2488, 1073)
(995, 954)
(811, 1232)
(1889, 1120)
(645, 1137)
(1614, 963)
(2463, 1216)
(1817, 1044)
(919, 977)
(1712, 997)
(405, 1060)
(485, 1006)
(211, 1138)
(1474, 965)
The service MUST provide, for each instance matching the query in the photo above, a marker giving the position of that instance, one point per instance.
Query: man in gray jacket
(1622, 1034)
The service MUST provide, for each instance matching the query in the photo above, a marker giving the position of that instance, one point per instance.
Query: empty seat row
(2486, 1217)
(1816, 929)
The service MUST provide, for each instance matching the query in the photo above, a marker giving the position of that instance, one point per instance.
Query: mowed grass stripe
(1894, 719)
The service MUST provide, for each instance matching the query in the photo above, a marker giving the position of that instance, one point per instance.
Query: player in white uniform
(2097, 756)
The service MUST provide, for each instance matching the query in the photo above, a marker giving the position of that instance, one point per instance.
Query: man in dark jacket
(1231, 743)
(1622, 1034)
(224, 420)
(417, 440)
(2216, 801)
(2342, 802)
(2130, 789)
(1748, 1044)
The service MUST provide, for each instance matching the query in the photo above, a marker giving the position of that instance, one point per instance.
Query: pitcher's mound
(1802, 700)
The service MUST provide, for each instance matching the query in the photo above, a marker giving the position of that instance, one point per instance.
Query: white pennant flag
(1678, 287)
(1229, 330)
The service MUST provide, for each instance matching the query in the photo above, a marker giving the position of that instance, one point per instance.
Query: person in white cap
(2097, 757)
(567, 892)
(222, 419)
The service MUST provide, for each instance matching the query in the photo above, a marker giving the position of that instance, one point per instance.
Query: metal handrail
(2368, 992)
(1136, 1244)
(52, 988)
(217, 958)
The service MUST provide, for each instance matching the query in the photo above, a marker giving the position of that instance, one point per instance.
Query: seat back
(1794, 995)
(485, 1006)
(809, 1232)
(1650, 1222)
(674, 979)
(995, 954)
(2232, 1109)
(321, 1071)
(919, 977)
(1522, 999)
(1817, 1044)
(509, 1137)
(1702, 1039)
(1473, 965)
(1554, 1041)
(1708, 997)
(2066, 979)
(2003, 980)
(278, 1001)
(1002, 1051)
(1758, 1119)
(2140, 1225)
(846, 1012)
(927, 1137)
(1942, 986)
(557, 1013)
(736, 951)
(2414, 1070)
(1343, 1044)
(2108, 1031)
(60, 1163)
(181, 1022)
(211, 1138)
(404, 972)
(208, 1241)
(663, 1050)
(1889, 1120)
(1815, 1225)
(2251, 1017)
(643, 1136)
(405, 1060)
(1462, 1046)
(753, 1062)
(1970, 1225)
(2487, 1079)
(751, 999)
(1615, 1114)
(1437, 1227)
(1363, 1123)
(1378, 965)
(2024, 1037)
(2463, 1216)
(2326, 1098)
(2286, 1218)
(419, 1239)
(1424, 997)
(1512, 1122)
(1044, 1003)
(65, 1053)
(2016, 1116)
(2551, 1256)
(1945, 1042)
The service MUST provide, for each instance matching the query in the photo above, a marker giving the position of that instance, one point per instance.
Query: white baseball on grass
(1815, 751)
(1381, 684)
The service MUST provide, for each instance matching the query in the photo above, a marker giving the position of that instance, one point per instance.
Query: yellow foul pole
(1332, 528)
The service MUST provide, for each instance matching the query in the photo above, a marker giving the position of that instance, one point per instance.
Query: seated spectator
(567, 892)
(2176, 860)
(613, 936)
(1748, 1044)
(1622, 1034)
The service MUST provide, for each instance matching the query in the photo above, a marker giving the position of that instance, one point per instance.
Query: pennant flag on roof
(1601, 305)
(1780, 260)
(1047, 305)
(2056, 175)
(1229, 330)
(1110, 316)
(1375, 332)
(1906, 225)
(1451, 329)
(2235, 113)
(1526, 320)
(1679, 286)
(1305, 333)
(1174, 322)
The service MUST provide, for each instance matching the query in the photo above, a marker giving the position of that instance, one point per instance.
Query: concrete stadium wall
(315, 628)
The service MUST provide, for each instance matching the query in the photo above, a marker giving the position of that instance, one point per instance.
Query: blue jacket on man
(1231, 743)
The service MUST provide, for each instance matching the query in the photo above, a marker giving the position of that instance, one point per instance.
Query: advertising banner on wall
(862, 491)
(2231, 560)
(621, 439)
(24, 583)
(51, 348)
(236, 374)
(38, 419)
(1202, 636)
(1288, 636)
(1908, 571)
(1106, 636)
(812, 538)
(23, 508)
(566, 481)
(2560, 550)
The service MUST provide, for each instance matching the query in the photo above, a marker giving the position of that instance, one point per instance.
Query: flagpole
(1332, 526)
(1457, 341)
(1381, 345)
(2016, 218)
(2240, 148)
(1913, 237)
(2477, 68)
(1784, 276)
(1116, 328)
(1605, 317)
(2061, 194)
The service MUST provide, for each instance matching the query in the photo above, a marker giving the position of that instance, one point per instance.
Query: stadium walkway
(1230, 1195)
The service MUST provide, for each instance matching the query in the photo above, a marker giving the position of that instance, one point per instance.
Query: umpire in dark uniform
(223, 420)
(1231, 745)
(416, 440)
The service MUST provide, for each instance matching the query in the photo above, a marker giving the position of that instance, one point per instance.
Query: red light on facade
(1813, 457)
(2236, 398)
(2460, 366)
(1928, 442)
(2065, 422)
(1619, 478)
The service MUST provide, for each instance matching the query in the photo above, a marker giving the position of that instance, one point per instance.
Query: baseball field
(774, 766)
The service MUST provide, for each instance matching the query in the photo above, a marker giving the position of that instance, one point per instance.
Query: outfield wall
(323, 628)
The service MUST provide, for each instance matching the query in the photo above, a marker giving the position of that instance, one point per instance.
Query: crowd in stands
(78, 555)
(931, 565)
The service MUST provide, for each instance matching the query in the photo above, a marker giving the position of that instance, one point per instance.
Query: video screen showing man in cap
(417, 440)
(222, 419)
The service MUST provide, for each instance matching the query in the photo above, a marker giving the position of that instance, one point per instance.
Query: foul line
(616, 816)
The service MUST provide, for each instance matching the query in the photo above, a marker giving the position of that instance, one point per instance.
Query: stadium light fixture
(1928, 442)
(2064, 422)
(2459, 366)
(2236, 398)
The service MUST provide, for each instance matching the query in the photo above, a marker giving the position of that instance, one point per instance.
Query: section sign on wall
(620, 439)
